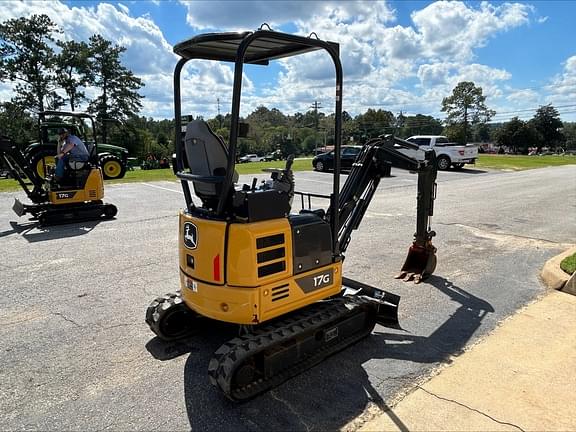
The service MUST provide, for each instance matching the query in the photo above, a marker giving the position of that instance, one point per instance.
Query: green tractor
(112, 159)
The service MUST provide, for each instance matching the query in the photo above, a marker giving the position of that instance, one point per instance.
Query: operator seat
(207, 155)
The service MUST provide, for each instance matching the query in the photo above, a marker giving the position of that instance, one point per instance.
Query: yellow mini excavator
(246, 257)
(77, 197)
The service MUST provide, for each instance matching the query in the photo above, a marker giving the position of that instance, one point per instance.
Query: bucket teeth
(420, 263)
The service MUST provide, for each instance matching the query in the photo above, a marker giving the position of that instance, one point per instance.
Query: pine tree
(27, 58)
(464, 108)
(119, 97)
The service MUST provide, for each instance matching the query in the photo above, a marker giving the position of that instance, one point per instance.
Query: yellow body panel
(93, 190)
(252, 280)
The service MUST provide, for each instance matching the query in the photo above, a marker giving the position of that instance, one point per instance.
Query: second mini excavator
(245, 258)
(78, 197)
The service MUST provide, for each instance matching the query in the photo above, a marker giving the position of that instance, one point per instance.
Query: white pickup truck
(447, 153)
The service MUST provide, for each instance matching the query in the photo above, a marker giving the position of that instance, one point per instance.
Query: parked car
(274, 156)
(325, 161)
(250, 158)
(447, 153)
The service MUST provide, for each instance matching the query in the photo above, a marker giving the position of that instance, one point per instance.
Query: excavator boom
(374, 162)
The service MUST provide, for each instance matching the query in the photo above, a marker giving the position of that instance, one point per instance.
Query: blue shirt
(79, 151)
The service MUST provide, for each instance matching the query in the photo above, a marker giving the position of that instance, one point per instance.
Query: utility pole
(316, 106)
(219, 117)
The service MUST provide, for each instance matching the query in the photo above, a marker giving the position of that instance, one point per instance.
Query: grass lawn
(517, 163)
(508, 162)
(568, 264)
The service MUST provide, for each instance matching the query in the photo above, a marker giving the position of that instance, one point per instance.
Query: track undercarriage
(52, 214)
(269, 354)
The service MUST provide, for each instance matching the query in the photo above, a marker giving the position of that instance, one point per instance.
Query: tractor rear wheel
(112, 167)
(41, 161)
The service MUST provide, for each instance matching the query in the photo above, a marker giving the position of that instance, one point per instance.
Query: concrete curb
(552, 275)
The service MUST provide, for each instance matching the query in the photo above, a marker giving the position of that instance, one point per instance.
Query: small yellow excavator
(77, 197)
(247, 258)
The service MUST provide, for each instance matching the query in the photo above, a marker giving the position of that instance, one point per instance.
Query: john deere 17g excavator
(77, 197)
(247, 258)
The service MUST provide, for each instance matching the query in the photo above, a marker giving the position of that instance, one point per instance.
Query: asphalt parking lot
(77, 355)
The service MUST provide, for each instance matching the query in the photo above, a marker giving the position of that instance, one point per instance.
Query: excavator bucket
(420, 263)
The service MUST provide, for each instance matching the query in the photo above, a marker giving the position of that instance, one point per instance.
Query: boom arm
(20, 169)
(374, 162)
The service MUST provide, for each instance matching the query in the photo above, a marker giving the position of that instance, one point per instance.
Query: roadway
(77, 355)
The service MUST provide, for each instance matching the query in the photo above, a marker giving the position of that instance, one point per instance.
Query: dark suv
(325, 161)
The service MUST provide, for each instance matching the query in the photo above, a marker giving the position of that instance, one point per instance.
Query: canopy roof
(268, 45)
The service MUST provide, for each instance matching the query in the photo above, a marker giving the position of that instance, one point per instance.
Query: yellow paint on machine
(243, 272)
(93, 190)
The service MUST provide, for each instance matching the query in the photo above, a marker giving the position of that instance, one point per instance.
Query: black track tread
(236, 351)
(57, 215)
(161, 306)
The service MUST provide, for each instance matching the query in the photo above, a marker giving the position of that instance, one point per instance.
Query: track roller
(110, 211)
(251, 364)
(170, 319)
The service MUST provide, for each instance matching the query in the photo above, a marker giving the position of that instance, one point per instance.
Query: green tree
(74, 71)
(419, 125)
(27, 58)
(119, 98)
(569, 132)
(17, 124)
(465, 107)
(518, 135)
(547, 122)
(375, 122)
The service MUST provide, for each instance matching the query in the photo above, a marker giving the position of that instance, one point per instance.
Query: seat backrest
(76, 165)
(207, 155)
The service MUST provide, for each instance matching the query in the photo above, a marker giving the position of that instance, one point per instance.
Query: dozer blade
(420, 263)
(18, 207)
(386, 303)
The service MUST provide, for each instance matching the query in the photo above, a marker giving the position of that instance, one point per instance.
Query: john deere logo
(190, 235)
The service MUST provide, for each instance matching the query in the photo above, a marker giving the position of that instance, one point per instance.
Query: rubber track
(233, 353)
(56, 216)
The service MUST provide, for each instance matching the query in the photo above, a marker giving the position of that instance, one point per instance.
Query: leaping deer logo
(190, 235)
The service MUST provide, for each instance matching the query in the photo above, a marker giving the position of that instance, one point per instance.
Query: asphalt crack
(296, 414)
(65, 318)
(471, 409)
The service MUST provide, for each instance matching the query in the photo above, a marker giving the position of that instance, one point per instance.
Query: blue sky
(397, 55)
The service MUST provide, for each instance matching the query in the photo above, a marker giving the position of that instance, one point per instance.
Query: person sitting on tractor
(72, 148)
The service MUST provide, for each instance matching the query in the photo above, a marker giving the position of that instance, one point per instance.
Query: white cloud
(452, 30)
(386, 65)
(523, 97)
(251, 14)
(562, 90)
(376, 57)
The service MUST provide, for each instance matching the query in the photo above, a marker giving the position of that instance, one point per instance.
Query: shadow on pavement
(467, 171)
(338, 390)
(33, 232)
